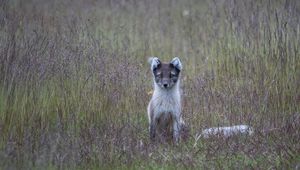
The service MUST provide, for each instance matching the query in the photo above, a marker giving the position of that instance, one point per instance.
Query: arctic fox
(164, 109)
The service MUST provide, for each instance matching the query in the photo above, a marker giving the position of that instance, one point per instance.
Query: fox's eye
(173, 74)
(158, 74)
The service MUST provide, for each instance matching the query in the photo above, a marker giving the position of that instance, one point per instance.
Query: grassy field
(75, 82)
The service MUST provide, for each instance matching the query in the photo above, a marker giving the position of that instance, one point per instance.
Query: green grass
(75, 82)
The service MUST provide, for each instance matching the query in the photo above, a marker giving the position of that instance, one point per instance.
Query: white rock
(225, 131)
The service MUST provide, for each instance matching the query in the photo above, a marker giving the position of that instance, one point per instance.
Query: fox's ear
(176, 63)
(154, 62)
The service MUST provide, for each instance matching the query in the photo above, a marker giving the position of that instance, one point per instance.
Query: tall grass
(75, 82)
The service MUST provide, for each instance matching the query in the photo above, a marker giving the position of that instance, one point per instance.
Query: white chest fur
(166, 101)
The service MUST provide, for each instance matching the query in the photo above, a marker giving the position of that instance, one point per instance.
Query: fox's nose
(165, 85)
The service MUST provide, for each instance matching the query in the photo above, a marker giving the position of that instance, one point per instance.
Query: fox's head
(166, 75)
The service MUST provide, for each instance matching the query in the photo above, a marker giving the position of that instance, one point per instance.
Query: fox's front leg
(176, 129)
(152, 129)
(152, 124)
